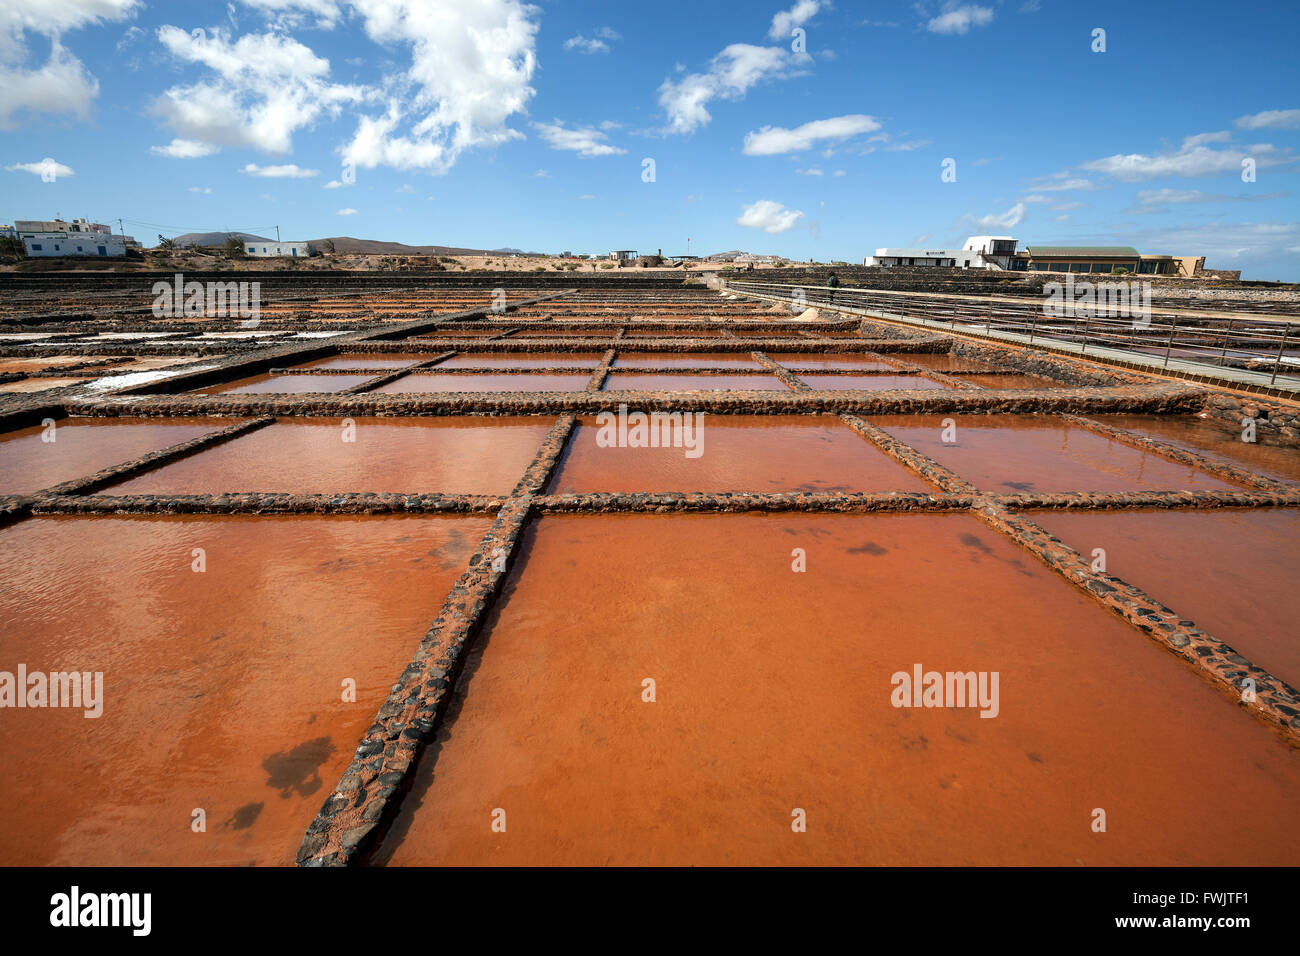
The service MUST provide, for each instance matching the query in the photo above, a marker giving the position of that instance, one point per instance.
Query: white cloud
(958, 18)
(62, 84)
(1065, 184)
(183, 149)
(907, 147)
(287, 171)
(771, 140)
(769, 216)
(730, 75)
(205, 190)
(288, 14)
(264, 87)
(1007, 220)
(405, 188)
(810, 171)
(541, 174)
(1191, 160)
(44, 167)
(471, 65)
(349, 211)
(796, 16)
(335, 184)
(586, 141)
(839, 172)
(598, 42)
(1062, 207)
(1277, 119)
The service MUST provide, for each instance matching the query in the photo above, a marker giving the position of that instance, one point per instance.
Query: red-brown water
(1013, 381)
(1008, 454)
(684, 360)
(875, 383)
(688, 383)
(455, 455)
(222, 690)
(371, 360)
(522, 360)
(83, 446)
(291, 384)
(737, 453)
(1214, 441)
(944, 362)
(1232, 572)
(818, 360)
(773, 692)
(486, 382)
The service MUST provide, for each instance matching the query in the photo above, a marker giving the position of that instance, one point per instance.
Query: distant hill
(376, 247)
(215, 238)
(348, 245)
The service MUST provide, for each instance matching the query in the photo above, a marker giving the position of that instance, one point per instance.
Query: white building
(55, 237)
(979, 252)
(265, 248)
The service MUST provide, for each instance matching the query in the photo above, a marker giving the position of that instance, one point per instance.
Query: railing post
(1227, 333)
(1033, 324)
(1286, 330)
(1087, 318)
(1173, 327)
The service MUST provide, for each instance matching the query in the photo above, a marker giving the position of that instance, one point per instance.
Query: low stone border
(787, 377)
(740, 501)
(910, 458)
(1278, 703)
(352, 816)
(1154, 398)
(538, 473)
(1180, 500)
(268, 503)
(1219, 469)
(164, 456)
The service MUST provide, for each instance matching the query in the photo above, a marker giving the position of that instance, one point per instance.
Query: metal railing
(1263, 349)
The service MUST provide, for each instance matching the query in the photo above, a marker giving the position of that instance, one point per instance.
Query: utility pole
(277, 233)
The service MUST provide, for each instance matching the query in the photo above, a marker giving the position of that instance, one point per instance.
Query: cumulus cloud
(785, 21)
(1006, 220)
(44, 167)
(598, 42)
(586, 141)
(288, 14)
(471, 66)
(287, 171)
(184, 149)
(1276, 119)
(62, 84)
(1192, 159)
(730, 75)
(262, 89)
(958, 18)
(772, 140)
(349, 211)
(769, 216)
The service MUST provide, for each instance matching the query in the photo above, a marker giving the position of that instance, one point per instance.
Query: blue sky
(499, 123)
